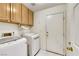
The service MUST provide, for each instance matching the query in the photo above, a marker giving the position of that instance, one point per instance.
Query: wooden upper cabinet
(16, 12)
(30, 17)
(25, 15)
(4, 12)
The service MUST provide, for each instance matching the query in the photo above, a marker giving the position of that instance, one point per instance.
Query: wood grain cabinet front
(30, 17)
(16, 12)
(5, 12)
(25, 15)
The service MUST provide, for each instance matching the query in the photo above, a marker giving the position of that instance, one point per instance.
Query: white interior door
(55, 33)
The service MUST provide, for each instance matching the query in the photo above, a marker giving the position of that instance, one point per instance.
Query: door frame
(64, 33)
(74, 17)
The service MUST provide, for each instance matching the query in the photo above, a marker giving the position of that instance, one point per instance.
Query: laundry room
(39, 29)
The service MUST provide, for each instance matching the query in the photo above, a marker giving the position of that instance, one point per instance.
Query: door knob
(46, 33)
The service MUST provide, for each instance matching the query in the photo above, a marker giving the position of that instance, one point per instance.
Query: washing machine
(13, 47)
(33, 40)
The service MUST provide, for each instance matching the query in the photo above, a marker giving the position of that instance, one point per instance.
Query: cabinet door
(16, 13)
(25, 15)
(4, 12)
(30, 17)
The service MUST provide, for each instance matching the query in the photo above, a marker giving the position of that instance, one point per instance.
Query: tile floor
(45, 53)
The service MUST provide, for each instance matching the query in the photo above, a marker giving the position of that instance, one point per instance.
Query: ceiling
(39, 6)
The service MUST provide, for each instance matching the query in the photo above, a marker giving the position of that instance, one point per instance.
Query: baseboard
(55, 53)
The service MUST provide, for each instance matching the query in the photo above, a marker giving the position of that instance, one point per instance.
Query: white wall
(71, 30)
(8, 27)
(40, 19)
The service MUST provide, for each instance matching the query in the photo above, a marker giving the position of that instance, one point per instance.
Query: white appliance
(14, 48)
(33, 42)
